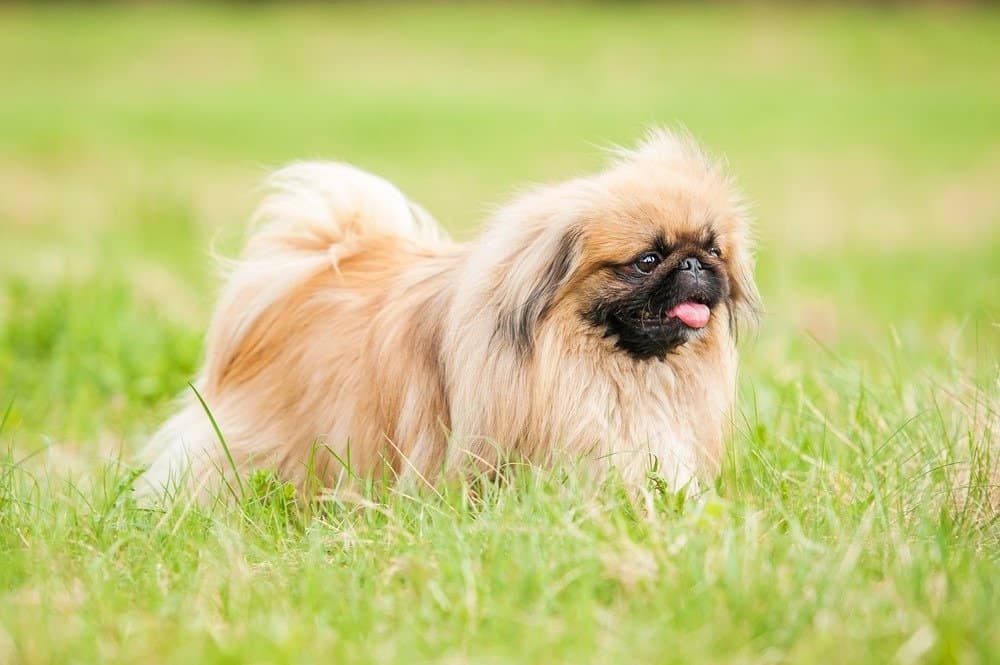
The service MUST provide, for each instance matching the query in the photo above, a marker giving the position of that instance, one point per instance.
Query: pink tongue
(693, 314)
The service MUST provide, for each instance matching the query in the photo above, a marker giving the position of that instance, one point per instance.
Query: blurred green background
(133, 138)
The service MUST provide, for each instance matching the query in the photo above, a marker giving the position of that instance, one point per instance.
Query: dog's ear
(532, 279)
(745, 308)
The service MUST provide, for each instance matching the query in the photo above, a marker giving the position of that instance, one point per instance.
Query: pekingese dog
(594, 319)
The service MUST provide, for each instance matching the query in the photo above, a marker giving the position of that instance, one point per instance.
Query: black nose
(692, 264)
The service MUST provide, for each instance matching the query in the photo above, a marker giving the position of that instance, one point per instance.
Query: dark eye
(715, 251)
(647, 262)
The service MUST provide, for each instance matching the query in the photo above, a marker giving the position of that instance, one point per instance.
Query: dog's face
(646, 257)
(653, 300)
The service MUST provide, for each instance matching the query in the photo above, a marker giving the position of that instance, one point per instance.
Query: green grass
(856, 517)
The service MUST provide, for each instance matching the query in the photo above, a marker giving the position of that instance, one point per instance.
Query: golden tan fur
(351, 329)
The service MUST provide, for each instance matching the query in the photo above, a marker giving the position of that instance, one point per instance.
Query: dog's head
(646, 256)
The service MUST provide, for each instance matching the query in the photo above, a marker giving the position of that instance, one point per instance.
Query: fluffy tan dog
(594, 319)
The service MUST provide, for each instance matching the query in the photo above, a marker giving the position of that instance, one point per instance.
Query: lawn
(856, 518)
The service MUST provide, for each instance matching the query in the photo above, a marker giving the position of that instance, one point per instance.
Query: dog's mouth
(651, 325)
(656, 332)
(692, 313)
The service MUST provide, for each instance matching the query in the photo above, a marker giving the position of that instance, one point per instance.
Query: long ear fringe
(549, 267)
(745, 316)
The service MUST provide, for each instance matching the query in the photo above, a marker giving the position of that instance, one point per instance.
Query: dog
(593, 320)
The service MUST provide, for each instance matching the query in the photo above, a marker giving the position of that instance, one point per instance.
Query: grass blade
(222, 440)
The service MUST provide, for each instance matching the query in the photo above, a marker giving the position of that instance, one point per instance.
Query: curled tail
(314, 216)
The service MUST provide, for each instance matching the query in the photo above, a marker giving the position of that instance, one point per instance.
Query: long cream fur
(352, 332)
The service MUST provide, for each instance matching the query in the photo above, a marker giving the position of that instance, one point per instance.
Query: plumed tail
(315, 215)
